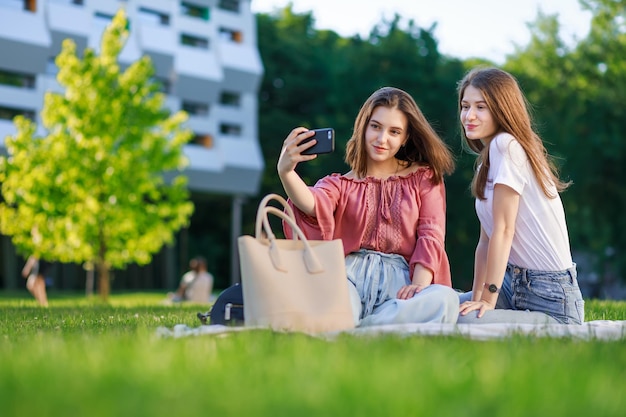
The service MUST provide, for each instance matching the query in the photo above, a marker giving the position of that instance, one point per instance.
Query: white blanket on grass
(591, 330)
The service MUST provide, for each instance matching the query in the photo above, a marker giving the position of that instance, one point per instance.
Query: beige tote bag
(293, 284)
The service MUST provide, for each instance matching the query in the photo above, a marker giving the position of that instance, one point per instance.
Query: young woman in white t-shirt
(523, 270)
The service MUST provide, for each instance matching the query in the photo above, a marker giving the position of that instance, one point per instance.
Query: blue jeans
(529, 296)
(375, 279)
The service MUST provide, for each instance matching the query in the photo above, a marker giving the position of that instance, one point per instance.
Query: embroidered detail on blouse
(418, 172)
(383, 212)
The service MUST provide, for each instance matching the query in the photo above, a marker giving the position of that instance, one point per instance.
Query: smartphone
(325, 141)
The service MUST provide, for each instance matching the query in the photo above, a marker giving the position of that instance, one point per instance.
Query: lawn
(82, 358)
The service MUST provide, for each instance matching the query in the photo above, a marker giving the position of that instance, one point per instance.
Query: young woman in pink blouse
(389, 210)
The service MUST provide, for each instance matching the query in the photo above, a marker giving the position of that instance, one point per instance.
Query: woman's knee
(30, 283)
(447, 295)
(447, 299)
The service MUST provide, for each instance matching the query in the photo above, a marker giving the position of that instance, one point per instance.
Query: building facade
(205, 56)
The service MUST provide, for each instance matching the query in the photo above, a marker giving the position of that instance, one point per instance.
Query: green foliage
(578, 94)
(81, 358)
(93, 189)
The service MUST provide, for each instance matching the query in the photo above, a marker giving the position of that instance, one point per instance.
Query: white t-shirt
(188, 278)
(199, 290)
(541, 241)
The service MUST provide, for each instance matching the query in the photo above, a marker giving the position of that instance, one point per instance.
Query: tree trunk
(104, 284)
(89, 281)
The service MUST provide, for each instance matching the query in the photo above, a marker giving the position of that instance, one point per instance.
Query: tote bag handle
(312, 263)
(260, 214)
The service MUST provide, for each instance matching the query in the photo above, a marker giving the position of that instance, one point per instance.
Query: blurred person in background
(195, 285)
(35, 272)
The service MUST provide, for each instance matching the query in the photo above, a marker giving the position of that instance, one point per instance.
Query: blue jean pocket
(556, 294)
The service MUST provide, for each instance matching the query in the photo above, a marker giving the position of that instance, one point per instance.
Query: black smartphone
(325, 141)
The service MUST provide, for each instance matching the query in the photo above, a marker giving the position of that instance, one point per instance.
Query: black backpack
(227, 309)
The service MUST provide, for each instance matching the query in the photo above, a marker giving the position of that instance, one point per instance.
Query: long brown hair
(423, 145)
(509, 109)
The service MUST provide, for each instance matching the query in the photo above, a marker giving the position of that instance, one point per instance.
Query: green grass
(82, 358)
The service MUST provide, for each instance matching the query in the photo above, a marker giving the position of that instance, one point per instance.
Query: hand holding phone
(325, 141)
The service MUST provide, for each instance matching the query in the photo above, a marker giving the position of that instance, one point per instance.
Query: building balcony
(6, 128)
(242, 66)
(231, 166)
(159, 44)
(68, 21)
(25, 39)
(98, 23)
(199, 74)
(20, 98)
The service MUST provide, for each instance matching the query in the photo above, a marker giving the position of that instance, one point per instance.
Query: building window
(230, 99)
(76, 2)
(8, 113)
(165, 85)
(193, 10)
(102, 20)
(230, 5)
(103, 17)
(194, 41)
(231, 35)
(16, 79)
(195, 108)
(203, 139)
(154, 16)
(51, 66)
(30, 5)
(230, 129)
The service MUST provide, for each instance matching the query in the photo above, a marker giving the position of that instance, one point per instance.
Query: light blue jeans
(375, 279)
(529, 296)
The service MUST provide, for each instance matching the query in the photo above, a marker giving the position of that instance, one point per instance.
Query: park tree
(598, 144)
(577, 90)
(103, 185)
(298, 88)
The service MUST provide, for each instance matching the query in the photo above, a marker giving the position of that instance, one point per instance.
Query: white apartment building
(205, 55)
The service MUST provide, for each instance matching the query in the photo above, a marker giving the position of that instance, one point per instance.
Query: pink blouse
(404, 215)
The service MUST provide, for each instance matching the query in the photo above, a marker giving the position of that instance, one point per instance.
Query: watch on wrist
(493, 288)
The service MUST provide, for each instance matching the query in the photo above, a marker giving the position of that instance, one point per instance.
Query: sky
(465, 28)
